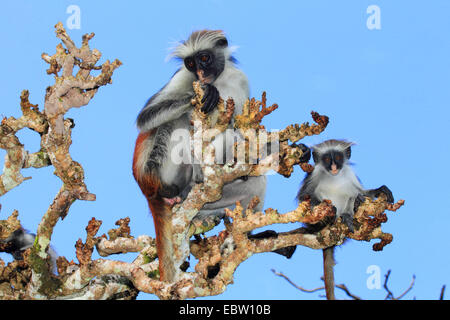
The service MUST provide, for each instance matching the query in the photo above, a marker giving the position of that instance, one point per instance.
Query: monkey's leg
(242, 190)
(239, 190)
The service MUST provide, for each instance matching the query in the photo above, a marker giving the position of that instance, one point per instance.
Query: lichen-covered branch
(67, 92)
(17, 158)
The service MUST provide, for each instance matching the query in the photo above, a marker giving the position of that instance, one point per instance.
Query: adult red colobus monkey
(333, 179)
(163, 181)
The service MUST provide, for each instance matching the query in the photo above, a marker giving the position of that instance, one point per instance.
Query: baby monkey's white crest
(338, 145)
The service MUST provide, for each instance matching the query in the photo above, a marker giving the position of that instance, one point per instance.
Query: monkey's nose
(200, 75)
(334, 169)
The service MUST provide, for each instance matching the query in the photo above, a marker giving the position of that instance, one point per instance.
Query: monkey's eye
(339, 157)
(204, 57)
(327, 159)
(190, 64)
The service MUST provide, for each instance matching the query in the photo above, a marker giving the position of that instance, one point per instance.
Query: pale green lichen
(153, 274)
(49, 285)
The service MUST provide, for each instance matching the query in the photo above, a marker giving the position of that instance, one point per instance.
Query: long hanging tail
(161, 212)
(328, 272)
(164, 244)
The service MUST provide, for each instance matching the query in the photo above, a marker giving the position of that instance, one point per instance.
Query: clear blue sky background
(387, 90)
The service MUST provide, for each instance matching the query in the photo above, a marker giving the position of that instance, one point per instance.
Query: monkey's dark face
(207, 65)
(333, 161)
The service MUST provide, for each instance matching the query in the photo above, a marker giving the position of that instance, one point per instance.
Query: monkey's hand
(210, 98)
(386, 191)
(306, 152)
(359, 199)
(347, 219)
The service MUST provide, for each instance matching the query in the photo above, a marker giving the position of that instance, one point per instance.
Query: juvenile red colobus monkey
(333, 179)
(163, 181)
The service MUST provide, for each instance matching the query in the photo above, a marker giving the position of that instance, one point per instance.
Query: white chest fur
(342, 190)
(232, 83)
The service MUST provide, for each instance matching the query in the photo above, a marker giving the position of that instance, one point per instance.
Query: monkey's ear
(222, 42)
(315, 157)
(348, 152)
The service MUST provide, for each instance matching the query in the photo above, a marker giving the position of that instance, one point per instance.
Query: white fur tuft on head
(197, 41)
(324, 147)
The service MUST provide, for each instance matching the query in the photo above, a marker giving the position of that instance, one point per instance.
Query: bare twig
(343, 287)
(390, 294)
(441, 296)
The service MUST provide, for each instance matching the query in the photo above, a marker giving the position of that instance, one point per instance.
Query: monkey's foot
(203, 223)
(286, 251)
(172, 201)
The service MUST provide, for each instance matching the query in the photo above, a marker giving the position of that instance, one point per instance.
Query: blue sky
(387, 90)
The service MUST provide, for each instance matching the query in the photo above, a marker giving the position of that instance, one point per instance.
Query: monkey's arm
(307, 191)
(169, 103)
(239, 190)
(161, 111)
(306, 152)
(173, 100)
(375, 193)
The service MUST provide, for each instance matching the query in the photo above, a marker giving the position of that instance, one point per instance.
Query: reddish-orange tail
(161, 212)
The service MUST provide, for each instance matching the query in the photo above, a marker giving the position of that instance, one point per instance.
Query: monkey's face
(206, 65)
(333, 161)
